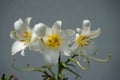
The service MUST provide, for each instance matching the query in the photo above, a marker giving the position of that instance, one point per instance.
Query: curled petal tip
(78, 29)
(99, 29)
(59, 22)
(86, 21)
(101, 60)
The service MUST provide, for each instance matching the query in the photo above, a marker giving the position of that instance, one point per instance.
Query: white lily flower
(53, 41)
(84, 38)
(23, 36)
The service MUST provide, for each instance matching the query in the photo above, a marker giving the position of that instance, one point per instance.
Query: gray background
(102, 13)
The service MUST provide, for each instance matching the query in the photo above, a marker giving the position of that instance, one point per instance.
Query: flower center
(83, 40)
(26, 37)
(54, 41)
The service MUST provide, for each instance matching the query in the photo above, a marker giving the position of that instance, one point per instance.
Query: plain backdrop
(102, 13)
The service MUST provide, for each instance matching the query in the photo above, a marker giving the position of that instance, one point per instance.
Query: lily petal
(48, 31)
(40, 29)
(78, 30)
(23, 52)
(27, 20)
(86, 27)
(63, 35)
(34, 37)
(56, 26)
(18, 25)
(74, 46)
(70, 32)
(66, 49)
(95, 33)
(51, 57)
(13, 35)
(92, 49)
(37, 46)
(84, 51)
(71, 35)
(27, 23)
(17, 46)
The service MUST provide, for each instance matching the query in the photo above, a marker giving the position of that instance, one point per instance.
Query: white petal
(48, 31)
(18, 25)
(74, 46)
(92, 49)
(78, 30)
(77, 35)
(70, 32)
(37, 46)
(56, 26)
(27, 23)
(71, 35)
(23, 52)
(86, 27)
(40, 29)
(34, 37)
(51, 57)
(45, 38)
(66, 49)
(95, 33)
(13, 35)
(63, 35)
(84, 51)
(27, 20)
(17, 46)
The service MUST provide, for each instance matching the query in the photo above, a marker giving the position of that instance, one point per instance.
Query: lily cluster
(54, 42)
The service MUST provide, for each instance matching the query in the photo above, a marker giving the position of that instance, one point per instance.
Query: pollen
(83, 40)
(26, 37)
(54, 41)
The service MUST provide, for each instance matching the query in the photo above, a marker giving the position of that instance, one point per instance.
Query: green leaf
(70, 70)
(72, 65)
(49, 69)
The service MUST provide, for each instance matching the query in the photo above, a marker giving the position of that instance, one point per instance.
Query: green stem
(26, 69)
(42, 69)
(68, 60)
(60, 75)
(80, 65)
(59, 67)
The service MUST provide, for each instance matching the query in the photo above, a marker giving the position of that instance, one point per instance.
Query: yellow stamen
(26, 37)
(83, 40)
(54, 41)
